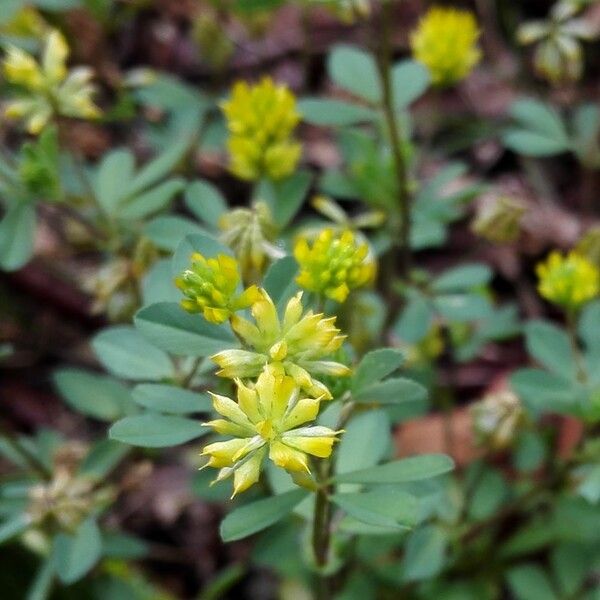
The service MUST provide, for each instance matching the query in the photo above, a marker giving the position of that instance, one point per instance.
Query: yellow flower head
(298, 343)
(268, 418)
(445, 41)
(261, 119)
(334, 265)
(210, 286)
(568, 281)
(49, 86)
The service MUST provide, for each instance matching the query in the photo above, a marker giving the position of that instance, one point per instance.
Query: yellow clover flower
(334, 265)
(261, 119)
(296, 344)
(445, 41)
(50, 87)
(210, 286)
(267, 418)
(568, 281)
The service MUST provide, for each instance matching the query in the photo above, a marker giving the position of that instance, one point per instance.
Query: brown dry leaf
(431, 434)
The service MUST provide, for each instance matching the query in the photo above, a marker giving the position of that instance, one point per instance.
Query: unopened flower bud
(496, 419)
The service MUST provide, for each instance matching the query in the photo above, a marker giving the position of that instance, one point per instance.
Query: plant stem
(321, 534)
(385, 57)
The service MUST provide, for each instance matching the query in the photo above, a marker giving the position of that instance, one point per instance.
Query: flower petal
(287, 458)
(228, 408)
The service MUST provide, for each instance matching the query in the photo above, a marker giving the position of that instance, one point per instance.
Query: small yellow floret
(445, 41)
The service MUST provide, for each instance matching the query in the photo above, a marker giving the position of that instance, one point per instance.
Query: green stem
(321, 534)
(385, 57)
(189, 376)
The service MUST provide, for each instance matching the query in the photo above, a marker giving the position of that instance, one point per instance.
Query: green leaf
(57, 5)
(414, 468)
(415, 321)
(529, 143)
(570, 564)
(206, 202)
(285, 197)
(168, 326)
(530, 451)
(533, 537)
(10, 9)
(365, 441)
(327, 112)
(551, 348)
(376, 365)
(383, 508)
(156, 431)
(17, 234)
(530, 582)
(425, 553)
(589, 486)
(126, 353)
(280, 280)
(170, 399)
(488, 495)
(112, 178)
(391, 391)
(575, 519)
(541, 131)
(355, 71)
(462, 278)
(410, 80)
(157, 285)
(121, 546)
(104, 456)
(539, 117)
(96, 396)
(544, 392)
(75, 555)
(259, 515)
(206, 245)
(157, 169)
(463, 307)
(14, 526)
(586, 126)
(151, 201)
(167, 231)
(587, 327)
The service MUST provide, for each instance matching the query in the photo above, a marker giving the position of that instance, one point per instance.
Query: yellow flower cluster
(445, 41)
(276, 373)
(334, 265)
(569, 281)
(211, 287)
(261, 119)
(50, 88)
(297, 344)
(268, 417)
